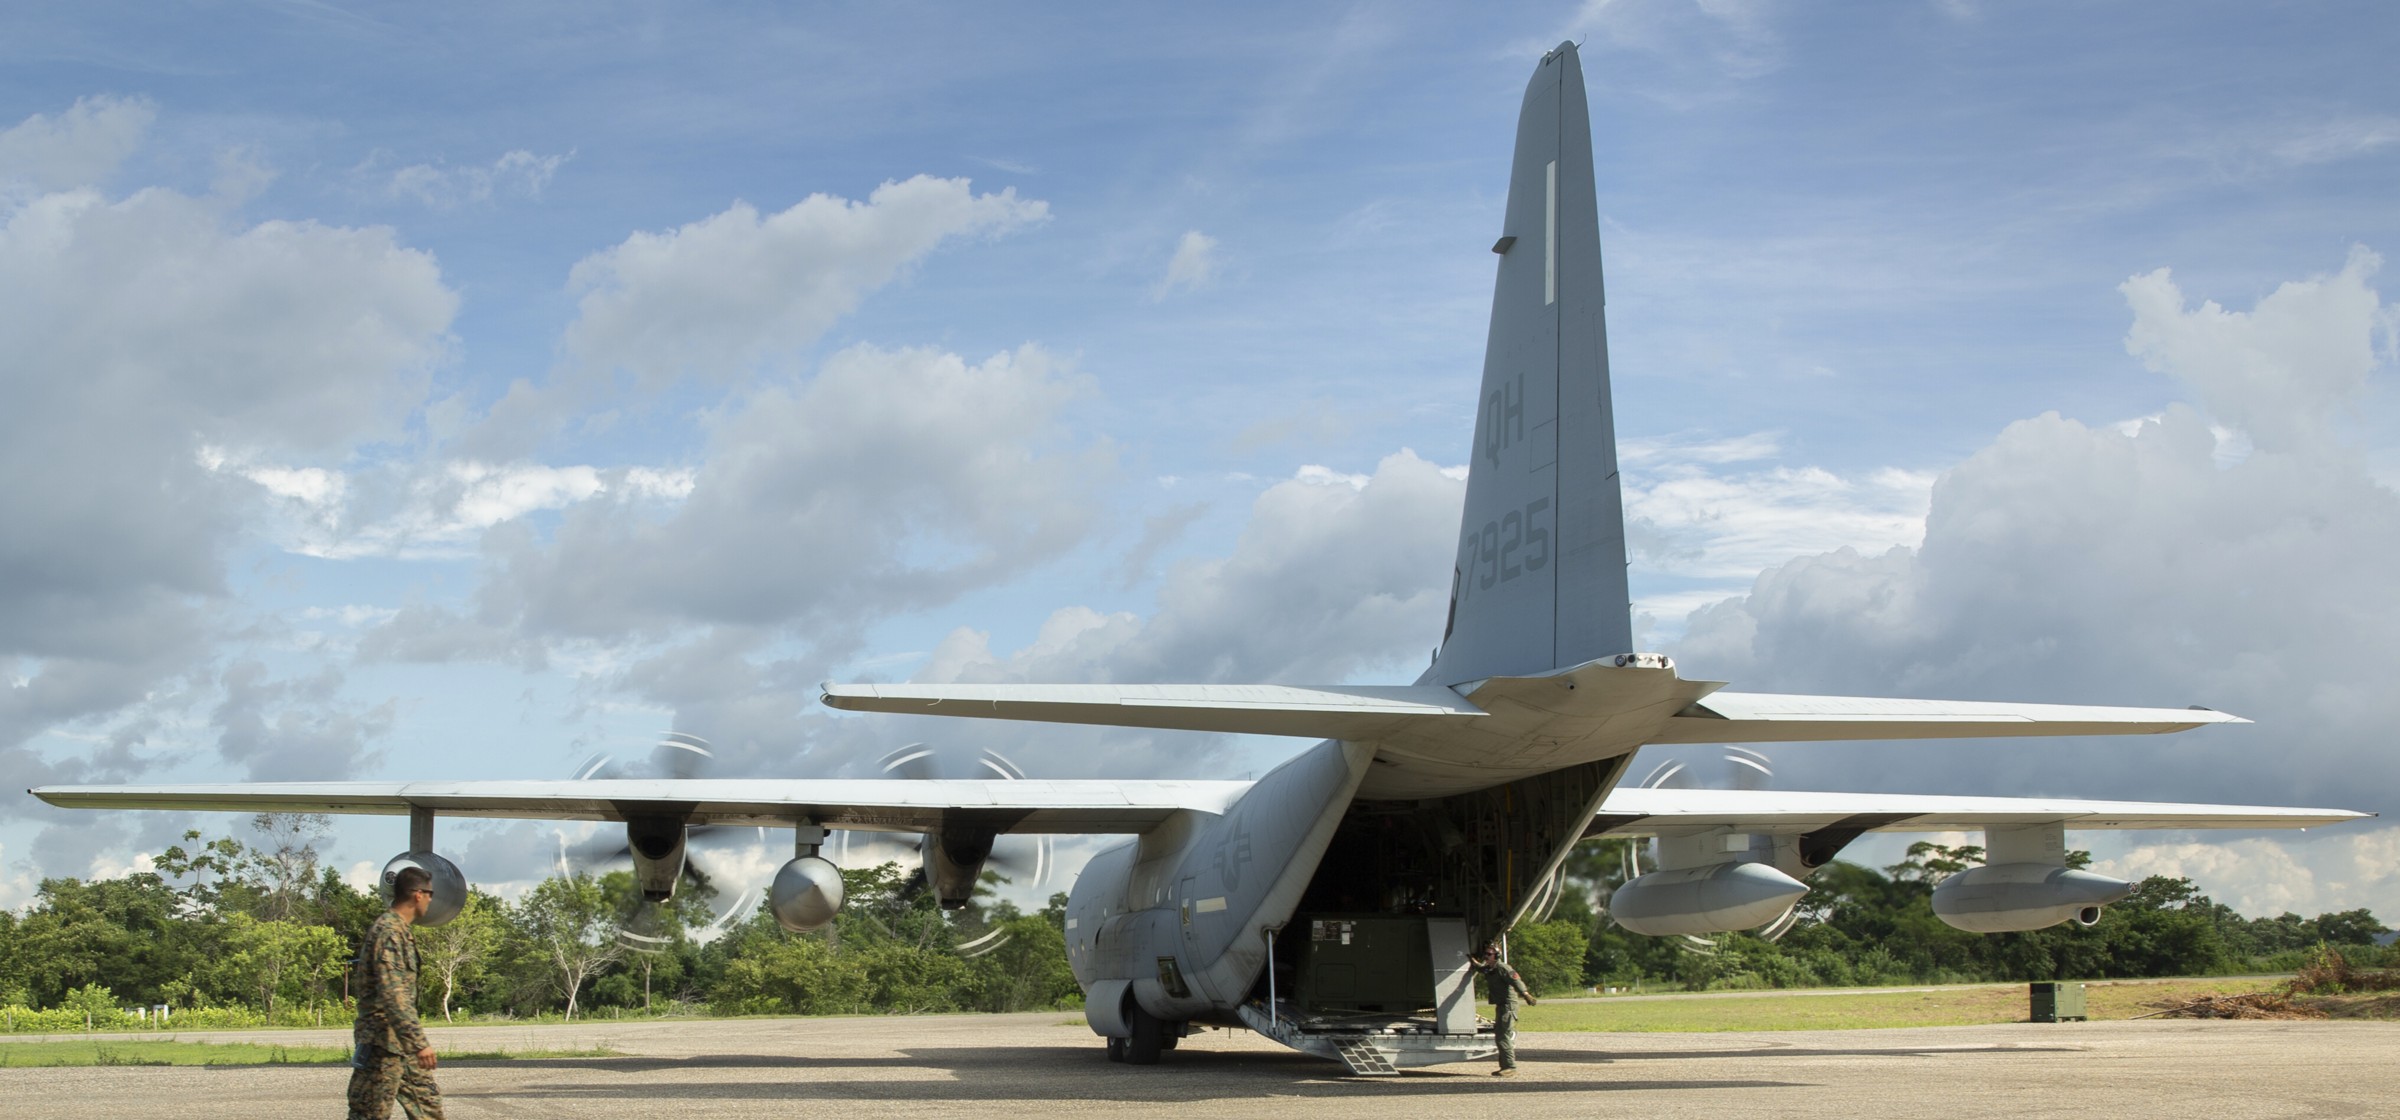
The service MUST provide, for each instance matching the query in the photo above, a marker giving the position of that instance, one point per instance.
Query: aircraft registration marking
(1232, 854)
(1491, 555)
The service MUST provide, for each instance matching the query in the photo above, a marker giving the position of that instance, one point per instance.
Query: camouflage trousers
(1504, 1032)
(378, 1075)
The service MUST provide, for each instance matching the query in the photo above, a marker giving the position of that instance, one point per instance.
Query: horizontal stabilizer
(1757, 717)
(869, 804)
(1652, 812)
(1345, 712)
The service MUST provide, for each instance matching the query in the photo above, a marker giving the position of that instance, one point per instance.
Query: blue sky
(462, 393)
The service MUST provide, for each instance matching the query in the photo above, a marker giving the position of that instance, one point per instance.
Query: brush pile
(2251, 1005)
(2325, 974)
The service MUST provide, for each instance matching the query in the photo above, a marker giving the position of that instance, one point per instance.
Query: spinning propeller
(647, 926)
(1023, 859)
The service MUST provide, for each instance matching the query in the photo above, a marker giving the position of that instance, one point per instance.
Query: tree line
(235, 932)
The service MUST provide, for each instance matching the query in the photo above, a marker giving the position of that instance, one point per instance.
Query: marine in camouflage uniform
(387, 1039)
(1506, 986)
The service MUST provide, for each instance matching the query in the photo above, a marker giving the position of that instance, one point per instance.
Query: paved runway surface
(1048, 1063)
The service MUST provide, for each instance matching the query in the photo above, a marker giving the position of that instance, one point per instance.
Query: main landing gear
(1152, 1036)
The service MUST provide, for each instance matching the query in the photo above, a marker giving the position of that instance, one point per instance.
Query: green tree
(347, 909)
(574, 927)
(2349, 927)
(1929, 863)
(657, 937)
(281, 961)
(2164, 928)
(319, 955)
(1549, 955)
(218, 874)
(903, 979)
(803, 975)
(284, 862)
(1027, 971)
(99, 1006)
(16, 987)
(124, 932)
(458, 951)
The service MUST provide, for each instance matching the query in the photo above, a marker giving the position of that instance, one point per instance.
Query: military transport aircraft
(1330, 905)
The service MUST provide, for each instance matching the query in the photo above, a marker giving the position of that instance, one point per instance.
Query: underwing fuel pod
(2025, 885)
(807, 891)
(1701, 900)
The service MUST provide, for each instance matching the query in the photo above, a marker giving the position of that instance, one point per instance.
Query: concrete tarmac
(1049, 1063)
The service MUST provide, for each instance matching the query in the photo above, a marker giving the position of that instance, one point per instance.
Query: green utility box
(1366, 963)
(2058, 1002)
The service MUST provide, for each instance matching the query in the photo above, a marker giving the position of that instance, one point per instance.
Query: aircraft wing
(1755, 717)
(1361, 713)
(873, 805)
(1128, 807)
(1652, 812)
(1349, 712)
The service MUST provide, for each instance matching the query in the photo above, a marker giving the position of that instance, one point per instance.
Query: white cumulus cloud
(432, 510)
(718, 296)
(2095, 564)
(139, 337)
(1335, 575)
(1192, 267)
(2341, 868)
(891, 480)
(81, 147)
(2275, 371)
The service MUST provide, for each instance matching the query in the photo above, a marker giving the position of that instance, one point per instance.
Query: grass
(1804, 1011)
(169, 1053)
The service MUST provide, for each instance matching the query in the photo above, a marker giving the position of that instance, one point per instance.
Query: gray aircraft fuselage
(1179, 925)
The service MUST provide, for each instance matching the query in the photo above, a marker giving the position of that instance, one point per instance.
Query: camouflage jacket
(1506, 985)
(384, 981)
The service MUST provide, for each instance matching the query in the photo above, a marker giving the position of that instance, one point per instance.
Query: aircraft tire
(1116, 1049)
(1149, 1037)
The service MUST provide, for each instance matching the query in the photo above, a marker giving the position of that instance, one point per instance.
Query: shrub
(1549, 955)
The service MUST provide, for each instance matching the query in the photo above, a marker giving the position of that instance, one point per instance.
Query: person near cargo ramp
(1506, 987)
(390, 1055)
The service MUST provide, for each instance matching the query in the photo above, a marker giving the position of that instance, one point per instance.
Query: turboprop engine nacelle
(2010, 897)
(449, 886)
(656, 846)
(1711, 899)
(954, 859)
(807, 894)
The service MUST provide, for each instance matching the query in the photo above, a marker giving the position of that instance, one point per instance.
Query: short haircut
(409, 880)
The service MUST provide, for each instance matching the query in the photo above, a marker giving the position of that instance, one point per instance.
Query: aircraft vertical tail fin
(1539, 581)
